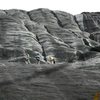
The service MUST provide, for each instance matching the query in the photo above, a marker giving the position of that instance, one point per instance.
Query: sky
(70, 6)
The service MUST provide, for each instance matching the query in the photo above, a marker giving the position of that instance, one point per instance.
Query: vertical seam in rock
(28, 13)
(47, 29)
(77, 22)
(43, 53)
(58, 21)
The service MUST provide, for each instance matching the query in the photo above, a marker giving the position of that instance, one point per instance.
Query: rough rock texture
(42, 33)
(45, 82)
(30, 37)
(90, 22)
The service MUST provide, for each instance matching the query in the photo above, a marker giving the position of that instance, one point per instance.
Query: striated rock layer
(32, 37)
(42, 33)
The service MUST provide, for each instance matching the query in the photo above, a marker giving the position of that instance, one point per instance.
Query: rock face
(90, 22)
(32, 37)
(42, 33)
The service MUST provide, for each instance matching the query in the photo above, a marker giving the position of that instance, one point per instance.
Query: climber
(51, 60)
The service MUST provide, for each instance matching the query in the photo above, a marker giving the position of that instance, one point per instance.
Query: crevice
(37, 39)
(28, 13)
(47, 29)
(86, 42)
(92, 37)
(77, 23)
(43, 53)
(26, 27)
(58, 21)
